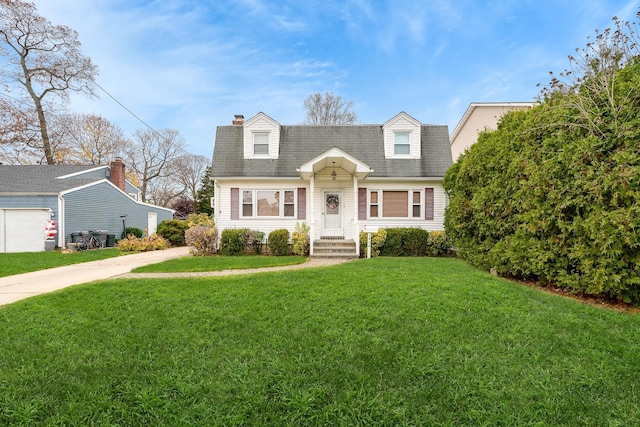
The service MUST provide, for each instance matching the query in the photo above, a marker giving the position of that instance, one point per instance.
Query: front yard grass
(218, 263)
(386, 341)
(25, 262)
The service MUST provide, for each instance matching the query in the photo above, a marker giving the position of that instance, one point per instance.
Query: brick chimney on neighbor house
(117, 173)
(238, 120)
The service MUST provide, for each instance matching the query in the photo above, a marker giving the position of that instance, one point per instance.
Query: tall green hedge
(554, 193)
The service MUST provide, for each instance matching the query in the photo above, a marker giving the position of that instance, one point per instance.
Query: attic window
(401, 144)
(261, 143)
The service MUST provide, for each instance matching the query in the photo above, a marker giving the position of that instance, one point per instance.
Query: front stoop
(334, 247)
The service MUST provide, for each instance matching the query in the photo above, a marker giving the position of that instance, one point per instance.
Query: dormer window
(260, 143)
(402, 137)
(402, 144)
(261, 137)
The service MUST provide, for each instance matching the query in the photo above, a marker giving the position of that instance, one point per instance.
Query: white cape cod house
(336, 179)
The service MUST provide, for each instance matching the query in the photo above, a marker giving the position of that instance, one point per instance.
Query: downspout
(60, 221)
(216, 201)
(312, 190)
(356, 225)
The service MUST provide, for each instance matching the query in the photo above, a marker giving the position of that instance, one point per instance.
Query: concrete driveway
(21, 286)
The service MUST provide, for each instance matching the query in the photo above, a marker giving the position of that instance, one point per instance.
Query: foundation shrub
(438, 244)
(377, 241)
(278, 242)
(232, 241)
(300, 239)
(202, 240)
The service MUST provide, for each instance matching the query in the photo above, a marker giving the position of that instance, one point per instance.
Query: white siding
(439, 202)
(261, 123)
(323, 182)
(266, 225)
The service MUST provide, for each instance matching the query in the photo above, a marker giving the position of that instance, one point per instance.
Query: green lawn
(386, 341)
(218, 263)
(25, 262)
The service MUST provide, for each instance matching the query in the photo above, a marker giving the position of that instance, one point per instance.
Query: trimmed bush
(142, 244)
(279, 242)
(232, 241)
(173, 231)
(202, 240)
(300, 239)
(439, 244)
(409, 242)
(405, 242)
(377, 241)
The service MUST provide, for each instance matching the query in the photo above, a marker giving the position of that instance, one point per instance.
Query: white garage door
(22, 230)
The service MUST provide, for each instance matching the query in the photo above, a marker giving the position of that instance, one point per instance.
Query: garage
(22, 229)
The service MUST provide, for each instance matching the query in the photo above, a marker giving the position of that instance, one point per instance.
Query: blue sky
(191, 65)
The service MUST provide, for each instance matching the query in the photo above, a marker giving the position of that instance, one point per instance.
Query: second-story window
(260, 143)
(401, 144)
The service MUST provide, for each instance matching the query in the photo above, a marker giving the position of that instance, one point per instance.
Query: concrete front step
(334, 248)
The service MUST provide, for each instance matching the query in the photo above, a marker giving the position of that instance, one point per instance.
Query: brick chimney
(238, 120)
(117, 173)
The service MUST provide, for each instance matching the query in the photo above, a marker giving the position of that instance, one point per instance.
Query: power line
(136, 116)
(128, 110)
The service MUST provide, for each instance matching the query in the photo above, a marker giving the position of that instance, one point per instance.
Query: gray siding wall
(50, 202)
(99, 207)
(94, 174)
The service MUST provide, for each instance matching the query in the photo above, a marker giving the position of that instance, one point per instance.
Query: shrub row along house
(336, 179)
(76, 198)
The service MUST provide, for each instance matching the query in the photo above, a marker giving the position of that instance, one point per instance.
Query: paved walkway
(21, 286)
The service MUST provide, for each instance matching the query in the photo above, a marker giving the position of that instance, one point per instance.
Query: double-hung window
(268, 203)
(261, 143)
(395, 204)
(401, 144)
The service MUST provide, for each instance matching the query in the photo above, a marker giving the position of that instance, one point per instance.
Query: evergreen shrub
(173, 231)
(278, 242)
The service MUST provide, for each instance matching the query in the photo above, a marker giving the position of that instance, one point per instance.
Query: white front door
(333, 213)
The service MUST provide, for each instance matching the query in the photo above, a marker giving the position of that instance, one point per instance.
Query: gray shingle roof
(301, 143)
(41, 179)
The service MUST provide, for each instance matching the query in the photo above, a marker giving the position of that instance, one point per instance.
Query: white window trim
(393, 145)
(408, 144)
(410, 204)
(253, 144)
(254, 203)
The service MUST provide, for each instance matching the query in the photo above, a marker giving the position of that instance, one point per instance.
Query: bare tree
(88, 139)
(163, 191)
(591, 83)
(41, 59)
(188, 170)
(328, 109)
(149, 156)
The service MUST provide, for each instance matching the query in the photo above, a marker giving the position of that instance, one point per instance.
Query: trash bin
(111, 240)
(100, 235)
(74, 237)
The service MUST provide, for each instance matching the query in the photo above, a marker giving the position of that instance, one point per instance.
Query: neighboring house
(336, 179)
(480, 116)
(77, 198)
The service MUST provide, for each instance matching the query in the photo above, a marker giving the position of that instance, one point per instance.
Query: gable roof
(301, 143)
(44, 179)
(504, 106)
